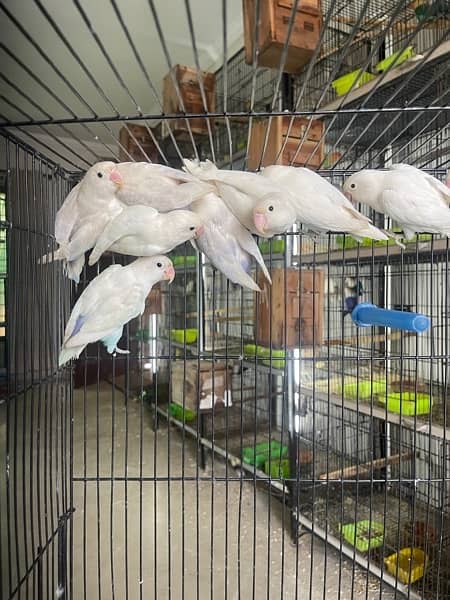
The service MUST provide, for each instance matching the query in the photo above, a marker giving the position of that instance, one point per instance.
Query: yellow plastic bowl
(408, 564)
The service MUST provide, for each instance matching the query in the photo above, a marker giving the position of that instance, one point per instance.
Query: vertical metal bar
(40, 578)
(62, 558)
(11, 377)
(111, 487)
(20, 339)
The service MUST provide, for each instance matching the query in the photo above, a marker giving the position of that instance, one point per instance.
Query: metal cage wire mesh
(105, 491)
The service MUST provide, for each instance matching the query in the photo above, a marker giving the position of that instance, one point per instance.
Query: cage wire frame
(300, 400)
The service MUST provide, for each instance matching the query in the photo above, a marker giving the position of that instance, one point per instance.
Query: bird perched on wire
(227, 244)
(112, 299)
(80, 220)
(143, 231)
(318, 205)
(102, 194)
(413, 199)
(242, 192)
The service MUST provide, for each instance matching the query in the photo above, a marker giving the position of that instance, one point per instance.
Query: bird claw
(313, 236)
(120, 351)
(398, 237)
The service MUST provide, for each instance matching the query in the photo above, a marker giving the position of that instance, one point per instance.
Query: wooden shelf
(421, 424)
(378, 253)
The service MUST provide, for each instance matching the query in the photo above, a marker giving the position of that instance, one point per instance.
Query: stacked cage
(271, 409)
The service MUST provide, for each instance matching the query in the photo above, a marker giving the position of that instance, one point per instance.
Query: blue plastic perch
(367, 315)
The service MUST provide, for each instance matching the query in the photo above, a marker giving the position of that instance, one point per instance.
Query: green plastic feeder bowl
(181, 414)
(364, 535)
(277, 247)
(365, 389)
(408, 403)
(398, 58)
(184, 261)
(277, 469)
(258, 454)
(343, 84)
(181, 336)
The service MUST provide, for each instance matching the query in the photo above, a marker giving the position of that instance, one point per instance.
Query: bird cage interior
(273, 423)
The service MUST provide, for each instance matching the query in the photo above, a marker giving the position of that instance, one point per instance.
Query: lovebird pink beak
(116, 177)
(199, 231)
(260, 221)
(349, 197)
(169, 273)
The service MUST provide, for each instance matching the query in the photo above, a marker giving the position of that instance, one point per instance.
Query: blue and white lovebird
(412, 198)
(227, 244)
(112, 299)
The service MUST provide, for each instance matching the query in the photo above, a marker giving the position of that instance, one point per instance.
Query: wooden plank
(357, 470)
(291, 310)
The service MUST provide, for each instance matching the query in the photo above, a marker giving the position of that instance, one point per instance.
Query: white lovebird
(112, 299)
(227, 244)
(104, 191)
(158, 186)
(415, 200)
(82, 217)
(243, 192)
(319, 206)
(143, 231)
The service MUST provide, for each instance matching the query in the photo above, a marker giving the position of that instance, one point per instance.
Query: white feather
(319, 205)
(413, 199)
(242, 193)
(142, 231)
(227, 244)
(112, 299)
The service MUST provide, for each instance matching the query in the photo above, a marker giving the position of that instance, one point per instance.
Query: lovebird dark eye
(191, 228)
(100, 175)
(270, 208)
(353, 185)
(159, 265)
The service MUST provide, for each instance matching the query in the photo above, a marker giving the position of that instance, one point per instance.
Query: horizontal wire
(172, 76)
(259, 478)
(283, 58)
(199, 75)
(148, 80)
(265, 362)
(231, 114)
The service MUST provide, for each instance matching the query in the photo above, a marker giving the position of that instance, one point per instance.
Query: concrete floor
(184, 539)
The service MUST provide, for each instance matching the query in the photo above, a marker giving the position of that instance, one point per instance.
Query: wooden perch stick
(378, 463)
